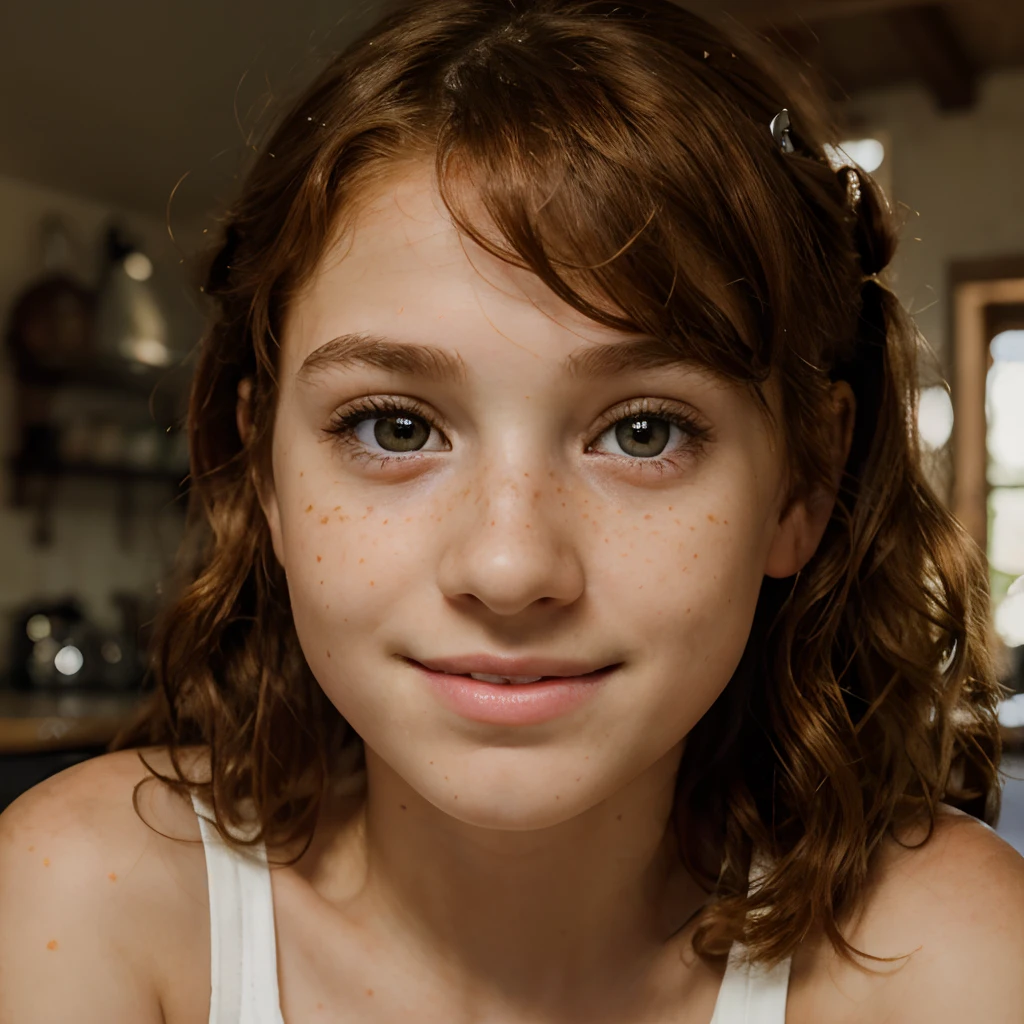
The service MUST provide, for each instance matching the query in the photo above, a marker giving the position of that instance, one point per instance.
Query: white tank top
(243, 946)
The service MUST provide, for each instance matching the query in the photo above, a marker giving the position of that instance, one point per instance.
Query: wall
(958, 175)
(89, 555)
(961, 178)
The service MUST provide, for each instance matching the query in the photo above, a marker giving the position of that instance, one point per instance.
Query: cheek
(683, 583)
(349, 572)
(707, 549)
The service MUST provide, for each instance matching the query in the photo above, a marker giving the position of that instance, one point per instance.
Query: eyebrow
(590, 362)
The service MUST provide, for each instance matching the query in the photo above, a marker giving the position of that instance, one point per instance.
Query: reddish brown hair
(621, 152)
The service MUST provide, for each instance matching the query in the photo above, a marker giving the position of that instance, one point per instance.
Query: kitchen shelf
(99, 375)
(32, 722)
(22, 466)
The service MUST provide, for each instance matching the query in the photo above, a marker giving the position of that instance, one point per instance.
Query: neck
(547, 920)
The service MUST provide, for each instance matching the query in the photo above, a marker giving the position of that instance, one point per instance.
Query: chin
(495, 808)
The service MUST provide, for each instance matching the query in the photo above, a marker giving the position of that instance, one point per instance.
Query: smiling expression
(506, 488)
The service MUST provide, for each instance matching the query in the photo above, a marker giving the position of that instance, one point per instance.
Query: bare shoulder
(950, 909)
(93, 889)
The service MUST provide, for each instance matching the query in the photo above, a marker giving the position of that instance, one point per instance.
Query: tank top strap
(752, 993)
(243, 946)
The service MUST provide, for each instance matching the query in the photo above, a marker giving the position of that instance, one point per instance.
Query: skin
(529, 866)
(556, 897)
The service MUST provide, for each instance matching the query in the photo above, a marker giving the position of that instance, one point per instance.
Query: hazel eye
(651, 435)
(398, 432)
(643, 436)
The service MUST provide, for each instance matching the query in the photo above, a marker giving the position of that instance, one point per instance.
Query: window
(1004, 414)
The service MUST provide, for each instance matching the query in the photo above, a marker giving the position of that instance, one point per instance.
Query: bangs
(642, 223)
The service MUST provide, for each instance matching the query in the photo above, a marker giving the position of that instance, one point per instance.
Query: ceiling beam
(789, 12)
(927, 35)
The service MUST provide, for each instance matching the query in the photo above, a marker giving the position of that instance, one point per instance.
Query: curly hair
(622, 153)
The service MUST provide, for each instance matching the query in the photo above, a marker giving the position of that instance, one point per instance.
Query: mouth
(513, 700)
(482, 677)
(506, 679)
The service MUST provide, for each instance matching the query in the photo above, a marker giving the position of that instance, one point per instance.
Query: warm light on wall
(935, 416)
(868, 154)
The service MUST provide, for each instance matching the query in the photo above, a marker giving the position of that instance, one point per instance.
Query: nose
(510, 545)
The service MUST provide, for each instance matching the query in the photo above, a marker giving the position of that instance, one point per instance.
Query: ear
(265, 490)
(803, 522)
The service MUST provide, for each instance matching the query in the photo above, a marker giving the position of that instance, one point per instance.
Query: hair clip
(854, 192)
(780, 131)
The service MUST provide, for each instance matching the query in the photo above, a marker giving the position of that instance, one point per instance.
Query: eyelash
(343, 424)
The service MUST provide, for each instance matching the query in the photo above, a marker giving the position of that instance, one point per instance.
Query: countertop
(38, 722)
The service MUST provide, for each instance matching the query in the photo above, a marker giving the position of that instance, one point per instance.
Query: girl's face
(510, 508)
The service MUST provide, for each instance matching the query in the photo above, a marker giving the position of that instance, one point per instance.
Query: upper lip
(499, 665)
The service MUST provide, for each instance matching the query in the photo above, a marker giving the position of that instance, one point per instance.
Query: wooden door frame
(974, 288)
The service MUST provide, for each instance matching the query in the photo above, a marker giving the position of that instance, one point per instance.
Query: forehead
(399, 260)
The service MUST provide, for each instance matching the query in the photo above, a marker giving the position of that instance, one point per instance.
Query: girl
(569, 633)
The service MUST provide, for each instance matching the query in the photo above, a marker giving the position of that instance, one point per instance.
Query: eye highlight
(384, 429)
(644, 423)
(400, 422)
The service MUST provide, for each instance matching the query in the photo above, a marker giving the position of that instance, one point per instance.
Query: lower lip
(512, 703)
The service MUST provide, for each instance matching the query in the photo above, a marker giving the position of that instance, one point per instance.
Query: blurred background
(123, 133)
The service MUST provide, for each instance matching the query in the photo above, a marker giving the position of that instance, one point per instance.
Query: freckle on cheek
(309, 508)
(112, 876)
(319, 558)
(361, 560)
(52, 944)
(324, 519)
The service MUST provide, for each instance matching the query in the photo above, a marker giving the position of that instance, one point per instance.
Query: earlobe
(795, 541)
(803, 523)
(272, 513)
